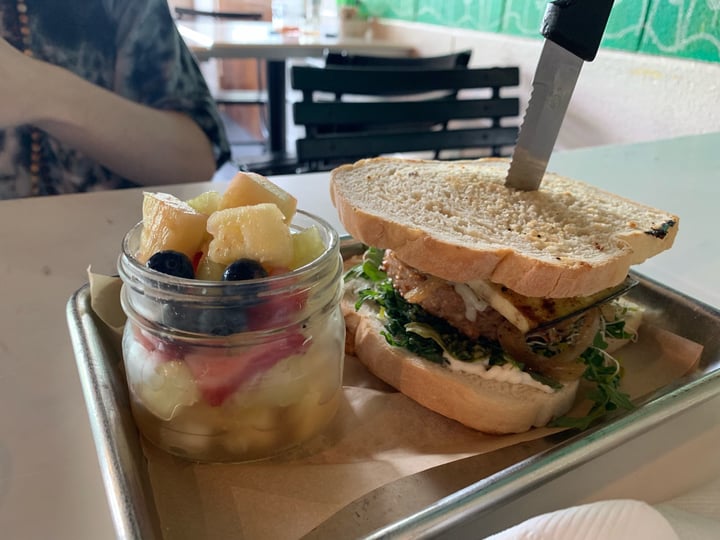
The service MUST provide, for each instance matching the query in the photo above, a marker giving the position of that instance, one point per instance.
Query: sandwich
(489, 305)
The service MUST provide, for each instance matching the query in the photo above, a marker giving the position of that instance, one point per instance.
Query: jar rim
(155, 277)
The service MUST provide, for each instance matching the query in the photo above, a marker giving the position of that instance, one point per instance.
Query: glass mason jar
(234, 370)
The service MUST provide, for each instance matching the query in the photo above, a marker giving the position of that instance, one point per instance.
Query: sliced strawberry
(276, 270)
(164, 350)
(146, 340)
(276, 311)
(218, 375)
(196, 261)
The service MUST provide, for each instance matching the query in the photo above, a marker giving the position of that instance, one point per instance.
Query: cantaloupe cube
(257, 232)
(170, 223)
(246, 189)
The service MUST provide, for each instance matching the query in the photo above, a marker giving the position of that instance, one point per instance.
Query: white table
(210, 38)
(50, 484)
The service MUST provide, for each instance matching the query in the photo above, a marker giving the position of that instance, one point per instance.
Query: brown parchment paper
(378, 436)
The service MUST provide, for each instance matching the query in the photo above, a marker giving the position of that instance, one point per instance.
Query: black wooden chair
(405, 122)
(445, 61)
(363, 106)
(288, 163)
(458, 60)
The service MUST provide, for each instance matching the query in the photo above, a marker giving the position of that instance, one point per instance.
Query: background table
(50, 483)
(209, 38)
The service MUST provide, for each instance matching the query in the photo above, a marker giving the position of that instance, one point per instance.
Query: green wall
(682, 28)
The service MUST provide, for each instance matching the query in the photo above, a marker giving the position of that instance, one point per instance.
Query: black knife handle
(577, 25)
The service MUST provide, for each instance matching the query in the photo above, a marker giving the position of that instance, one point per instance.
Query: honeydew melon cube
(209, 270)
(206, 203)
(307, 246)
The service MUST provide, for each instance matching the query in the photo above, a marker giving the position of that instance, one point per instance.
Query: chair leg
(262, 83)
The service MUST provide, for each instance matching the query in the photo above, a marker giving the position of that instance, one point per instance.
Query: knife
(573, 30)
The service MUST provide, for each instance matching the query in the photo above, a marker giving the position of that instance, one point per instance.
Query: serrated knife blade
(573, 30)
(553, 85)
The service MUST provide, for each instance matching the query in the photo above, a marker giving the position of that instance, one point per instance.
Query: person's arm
(143, 144)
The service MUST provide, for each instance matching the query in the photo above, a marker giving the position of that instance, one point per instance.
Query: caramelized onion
(563, 366)
(422, 291)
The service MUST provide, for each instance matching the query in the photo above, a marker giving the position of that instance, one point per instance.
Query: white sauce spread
(506, 372)
(472, 303)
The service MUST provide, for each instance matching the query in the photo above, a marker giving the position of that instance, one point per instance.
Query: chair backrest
(459, 59)
(408, 121)
(445, 61)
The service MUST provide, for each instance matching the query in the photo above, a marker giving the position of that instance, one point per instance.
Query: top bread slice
(458, 221)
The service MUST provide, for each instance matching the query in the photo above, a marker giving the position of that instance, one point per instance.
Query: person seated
(101, 94)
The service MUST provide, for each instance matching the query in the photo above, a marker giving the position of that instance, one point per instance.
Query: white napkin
(621, 519)
(695, 515)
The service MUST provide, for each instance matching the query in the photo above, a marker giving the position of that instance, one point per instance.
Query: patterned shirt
(128, 46)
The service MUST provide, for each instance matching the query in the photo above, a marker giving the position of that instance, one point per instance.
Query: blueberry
(243, 269)
(223, 322)
(178, 317)
(215, 322)
(172, 263)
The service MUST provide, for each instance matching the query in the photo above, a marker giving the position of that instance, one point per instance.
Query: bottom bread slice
(490, 406)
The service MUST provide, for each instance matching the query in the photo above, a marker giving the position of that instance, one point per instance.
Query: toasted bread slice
(490, 406)
(458, 221)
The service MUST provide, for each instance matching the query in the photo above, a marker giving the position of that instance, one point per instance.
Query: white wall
(620, 97)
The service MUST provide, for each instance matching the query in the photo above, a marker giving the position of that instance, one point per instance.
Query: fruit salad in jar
(233, 347)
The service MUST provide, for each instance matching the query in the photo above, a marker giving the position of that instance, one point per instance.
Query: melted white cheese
(501, 302)
(527, 312)
(506, 372)
(473, 304)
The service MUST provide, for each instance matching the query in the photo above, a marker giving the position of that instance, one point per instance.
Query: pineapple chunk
(247, 189)
(167, 388)
(206, 203)
(170, 223)
(307, 246)
(256, 232)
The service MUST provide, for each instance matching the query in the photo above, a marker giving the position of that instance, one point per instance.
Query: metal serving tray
(472, 486)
